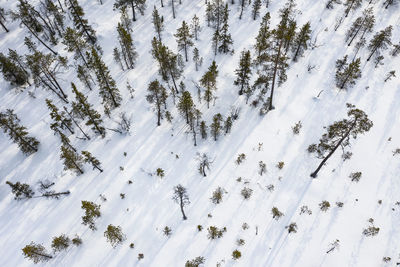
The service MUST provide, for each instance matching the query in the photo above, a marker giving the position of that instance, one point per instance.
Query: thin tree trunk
(173, 8)
(81, 22)
(4, 26)
(183, 212)
(274, 76)
(59, 2)
(162, 3)
(21, 139)
(241, 9)
(133, 11)
(76, 123)
(373, 52)
(40, 40)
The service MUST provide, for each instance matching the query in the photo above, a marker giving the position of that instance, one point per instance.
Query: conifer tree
(60, 120)
(351, 5)
(125, 20)
(12, 72)
(396, 50)
(215, 41)
(139, 5)
(338, 136)
(186, 106)
(203, 129)
(209, 82)
(389, 3)
(215, 13)
(19, 61)
(54, 15)
(92, 212)
(36, 252)
(3, 19)
(301, 40)
(198, 61)
(195, 27)
(21, 191)
(128, 49)
(17, 133)
(44, 69)
(243, 5)
(184, 38)
(85, 77)
(108, 90)
(225, 37)
(215, 127)
(243, 72)
(81, 24)
(158, 23)
(380, 41)
(181, 197)
(114, 235)
(263, 41)
(347, 73)
(290, 35)
(74, 42)
(118, 58)
(157, 95)
(60, 243)
(81, 106)
(361, 26)
(88, 158)
(256, 9)
(72, 160)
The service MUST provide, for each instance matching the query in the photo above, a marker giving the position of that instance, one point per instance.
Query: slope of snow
(148, 206)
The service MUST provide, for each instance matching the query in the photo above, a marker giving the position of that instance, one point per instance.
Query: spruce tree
(84, 108)
(203, 129)
(60, 243)
(54, 15)
(60, 119)
(338, 136)
(17, 133)
(263, 40)
(347, 73)
(71, 159)
(12, 72)
(301, 40)
(81, 24)
(128, 49)
(114, 235)
(19, 61)
(243, 72)
(139, 5)
(361, 26)
(380, 41)
(85, 77)
(3, 19)
(225, 38)
(157, 95)
(215, 127)
(290, 35)
(118, 58)
(92, 212)
(186, 106)
(181, 197)
(88, 158)
(256, 9)
(195, 27)
(158, 23)
(209, 82)
(21, 191)
(74, 42)
(36, 252)
(184, 38)
(108, 90)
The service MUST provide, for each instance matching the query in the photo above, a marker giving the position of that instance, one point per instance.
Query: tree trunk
(81, 22)
(373, 52)
(40, 40)
(278, 55)
(183, 212)
(173, 8)
(75, 122)
(159, 115)
(133, 11)
(97, 167)
(349, 8)
(4, 26)
(162, 3)
(241, 9)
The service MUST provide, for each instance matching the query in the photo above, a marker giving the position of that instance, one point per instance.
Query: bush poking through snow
(217, 195)
(296, 128)
(60, 243)
(92, 211)
(236, 254)
(324, 205)
(167, 231)
(214, 232)
(276, 214)
(240, 242)
(262, 168)
(305, 209)
(160, 172)
(241, 157)
(246, 193)
(292, 228)
(114, 235)
(77, 241)
(196, 262)
(280, 165)
(371, 230)
(355, 176)
(140, 256)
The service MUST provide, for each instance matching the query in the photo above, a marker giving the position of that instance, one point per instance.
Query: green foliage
(60, 243)
(184, 38)
(236, 254)
(280, 165)
(196, 262)
(292, 228)
(186, 106)
(300, 43)
(243, 72)
(215, 127)
(241, 157)
(209, 82)
(167, 231)
(36, 252)
(72, 160)
(80, 23)
(92, 211)
(215, 232)
(21, 191)
(217, 195)
(12, 72)
(77, 241)
(114, 235)
(160, 172)
(127, 48)
(381, 41)
(276, 214)
(355, 176)
(324, 205)
(88, 158)
(347, 73)
(157, 95)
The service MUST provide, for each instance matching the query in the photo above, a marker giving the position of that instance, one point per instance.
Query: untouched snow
(148, 207)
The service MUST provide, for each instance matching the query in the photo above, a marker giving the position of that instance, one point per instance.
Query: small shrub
(339, 204)
(217, 195)
(240, 158)
(262, 167)
(246, 192)
(396, 151)
(132, 245)
(292, 228)
(214, 232)
(140, 256)
(121, 168)
(324, 205)
(239, 179)
(114, 235)
(236, 254)
(160, 172)
(371, 230)
(199, 228)
(387, 259)
(92, 211)
(167, 231)
(280, 165)
(276, 214)
(60, 243)
(125, 154)
(122, 195)
(245, 226)
(296, 128)
(77, 241)
(240, 242)
(305, 209)
(355, 176)
(195, 262)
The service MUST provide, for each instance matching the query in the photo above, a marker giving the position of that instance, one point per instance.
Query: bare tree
(181, 197)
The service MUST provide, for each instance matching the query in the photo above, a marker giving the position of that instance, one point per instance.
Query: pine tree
(204, 164)
(361, 25)
(125, 20)
(88, 158)
(215, 41)
(203, 129)
(74, 42)
(12, 72)
(92, 212)
(186, 106)
(243, 72)
(181, 197)
(396, 50)
(351, 5)
(301, 40)
(380, 41)
(228, 124)
(290, 35)
(81, 24)
(19, 61)
(72, 160)
(225, 37)
(54, 15)
(209, 81)
(117, 57)
(85, 77)
(139, 5)
(338, 135)
(158, 23)
(60, 120)
(60, 243)
(17, 133)
(184, 38)
(157, 96)
(3, 19)
(256, 9)
(195, 26)
(36, 252)
(198, 61)
(128, 49)
(214, 13)
(263, 40)
(347, 73)
(21, 191)
(108, 90)
(44, 69)
(81, 106)
(114, 235)
(215, 127)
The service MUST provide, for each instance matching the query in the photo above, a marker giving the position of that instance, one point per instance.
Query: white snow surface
(148, 206)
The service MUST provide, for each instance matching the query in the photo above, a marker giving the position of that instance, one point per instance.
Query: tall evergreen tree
(108, 90)
(330, 3)
(361, 26)
(186, 106)
(139, 5)
(36, 252)
(74, 42)
(158, 23)
(21, 191)
(256, 9)
(347, 73)
(157, 95)
(19, 61)
(380, 41)
(17, 133)
(243, 5)
(60, 120)
(216, 126)
(225, 38)
(128, 49)
(197, 59)
(263, 41)
(338, 136)
(81, 106)
(12, 72)
(72, 160)
(195, 26)
(88, 158)
(209, 82)
(301, 40)
(81, 24)
(351, 5)
(243, 72)
(184, 38)
(85, 76)
(389, 3)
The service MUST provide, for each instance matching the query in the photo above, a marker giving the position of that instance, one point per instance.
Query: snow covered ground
(148, 206)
